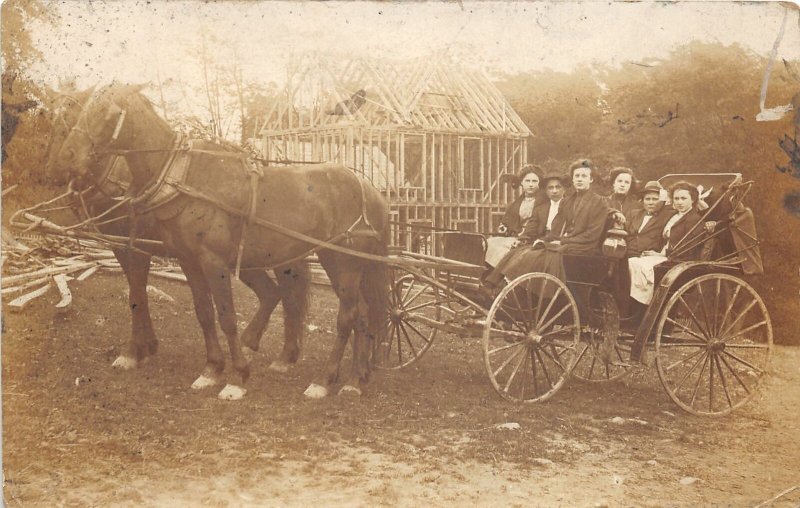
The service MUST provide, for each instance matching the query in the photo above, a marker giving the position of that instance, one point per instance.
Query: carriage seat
(465, 247)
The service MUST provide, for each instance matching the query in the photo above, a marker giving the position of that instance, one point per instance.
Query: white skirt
(643, 277)
(497, 247)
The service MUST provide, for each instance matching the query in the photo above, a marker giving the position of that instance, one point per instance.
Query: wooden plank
(169, 275)
(47, 271)
(63, 288)
(22, 301)
(23, 287)
(87, 273)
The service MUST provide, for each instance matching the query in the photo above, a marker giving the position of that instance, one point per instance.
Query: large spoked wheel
(713, 344)
(602, 357)
(531, 337)
(414, 306)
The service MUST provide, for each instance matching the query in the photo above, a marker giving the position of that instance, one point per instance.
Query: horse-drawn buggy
(706, 329)
(221, 215)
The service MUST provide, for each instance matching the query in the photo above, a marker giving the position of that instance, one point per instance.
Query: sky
(130, 40)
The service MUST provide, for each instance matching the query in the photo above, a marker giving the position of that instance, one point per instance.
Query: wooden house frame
(435, 138)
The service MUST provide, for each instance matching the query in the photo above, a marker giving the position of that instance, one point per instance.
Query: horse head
(64, 110)
(93, 127)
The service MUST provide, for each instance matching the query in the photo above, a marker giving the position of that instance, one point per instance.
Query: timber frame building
(437, 139)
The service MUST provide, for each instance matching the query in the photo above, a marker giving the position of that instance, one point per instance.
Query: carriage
(707, 330)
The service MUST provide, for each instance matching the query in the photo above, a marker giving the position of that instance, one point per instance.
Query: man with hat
(541, 220)
(645, 227)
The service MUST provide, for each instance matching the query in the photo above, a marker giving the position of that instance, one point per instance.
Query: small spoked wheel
(531, 337)
(713, 344)
(414, 306)
(602, 357)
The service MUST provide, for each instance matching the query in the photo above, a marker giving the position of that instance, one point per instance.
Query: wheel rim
(530, 338)
(408, 336)
(713, 344)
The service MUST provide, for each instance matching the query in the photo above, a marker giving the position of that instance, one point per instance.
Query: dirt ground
(78, 433)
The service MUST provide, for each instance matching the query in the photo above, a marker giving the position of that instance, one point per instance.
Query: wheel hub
(397, 314)
(533, 337)
(716, 346)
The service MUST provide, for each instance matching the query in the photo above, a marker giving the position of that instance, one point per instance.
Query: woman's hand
(502, 229)
(516, 243)
(711, 225)
(650, 253)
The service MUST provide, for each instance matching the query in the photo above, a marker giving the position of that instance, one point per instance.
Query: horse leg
(331, 265)
(218, 276)
(268, 295)
(204, 309)
(294, 282)
(143, 342)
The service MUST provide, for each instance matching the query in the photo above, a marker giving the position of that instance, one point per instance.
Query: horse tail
(295, 299)
(375, 284)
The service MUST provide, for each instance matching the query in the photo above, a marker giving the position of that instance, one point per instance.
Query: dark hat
(652, 186)
(614, 173)
(556, 175)
(581, 163)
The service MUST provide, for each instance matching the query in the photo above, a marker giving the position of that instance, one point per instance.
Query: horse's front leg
(218, 276)
(294, 282)
(204, 309)
(142, 342)
(268, 295)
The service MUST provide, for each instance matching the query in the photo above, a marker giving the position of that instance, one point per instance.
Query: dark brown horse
(217, 211)
(111, 178)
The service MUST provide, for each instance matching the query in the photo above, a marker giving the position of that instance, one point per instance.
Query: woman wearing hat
(645, 227)
(545, 212)
(623, 197)
(517, 213)
(680, 230)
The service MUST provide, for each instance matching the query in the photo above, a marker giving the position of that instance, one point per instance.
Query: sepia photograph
(361, 253)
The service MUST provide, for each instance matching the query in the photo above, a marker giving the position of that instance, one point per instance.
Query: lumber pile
(33, 264)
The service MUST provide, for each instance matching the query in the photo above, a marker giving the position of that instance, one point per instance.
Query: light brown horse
(111, 178)
(214, 221)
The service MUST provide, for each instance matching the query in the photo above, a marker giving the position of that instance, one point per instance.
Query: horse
(112, 179)
(221, 213)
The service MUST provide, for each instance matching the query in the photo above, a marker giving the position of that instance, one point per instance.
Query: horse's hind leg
(294, 282)
(218, 276)
(204, 308)
(142, 342)
(268, 295)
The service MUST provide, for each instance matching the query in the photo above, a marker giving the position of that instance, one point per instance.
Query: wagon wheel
(713, 344)
(413, 305)
(531, 338)
(602, 358)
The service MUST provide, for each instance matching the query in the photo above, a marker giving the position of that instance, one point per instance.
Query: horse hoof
(204, 382)
(350, 390)
(279, 366)
(315, 391)
(124, 363)
(231, 392)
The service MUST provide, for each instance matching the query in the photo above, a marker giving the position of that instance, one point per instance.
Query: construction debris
(32, 263)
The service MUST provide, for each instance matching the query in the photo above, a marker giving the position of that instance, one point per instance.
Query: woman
(623, 197)
(517, 213)
(681, 231)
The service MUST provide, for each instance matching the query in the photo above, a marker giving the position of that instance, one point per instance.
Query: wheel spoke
(682, 344)
(555, 360)
(521, 310)
(552, 319)
(544, 368)
(702, 303)
(711, 382)
(514, 373)
(503, 348)
(740, 316)
(747, 346)
(750, 365)
(688, 330)
(537, 319)
(722, 381)
(730, 307)
(410, 300)
(399, 348)
(735, 375)
(535, 382)
(699, 379)
(560, 330)
(694, 318)
(748, 329)
(688, 373)
(547, 310)
(408, 339)
(715, 330)
(432, 303)
(685, 359)
(414, 329)
(508, 360)
(511, 320)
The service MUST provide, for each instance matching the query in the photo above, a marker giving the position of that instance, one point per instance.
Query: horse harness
(171, 183)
